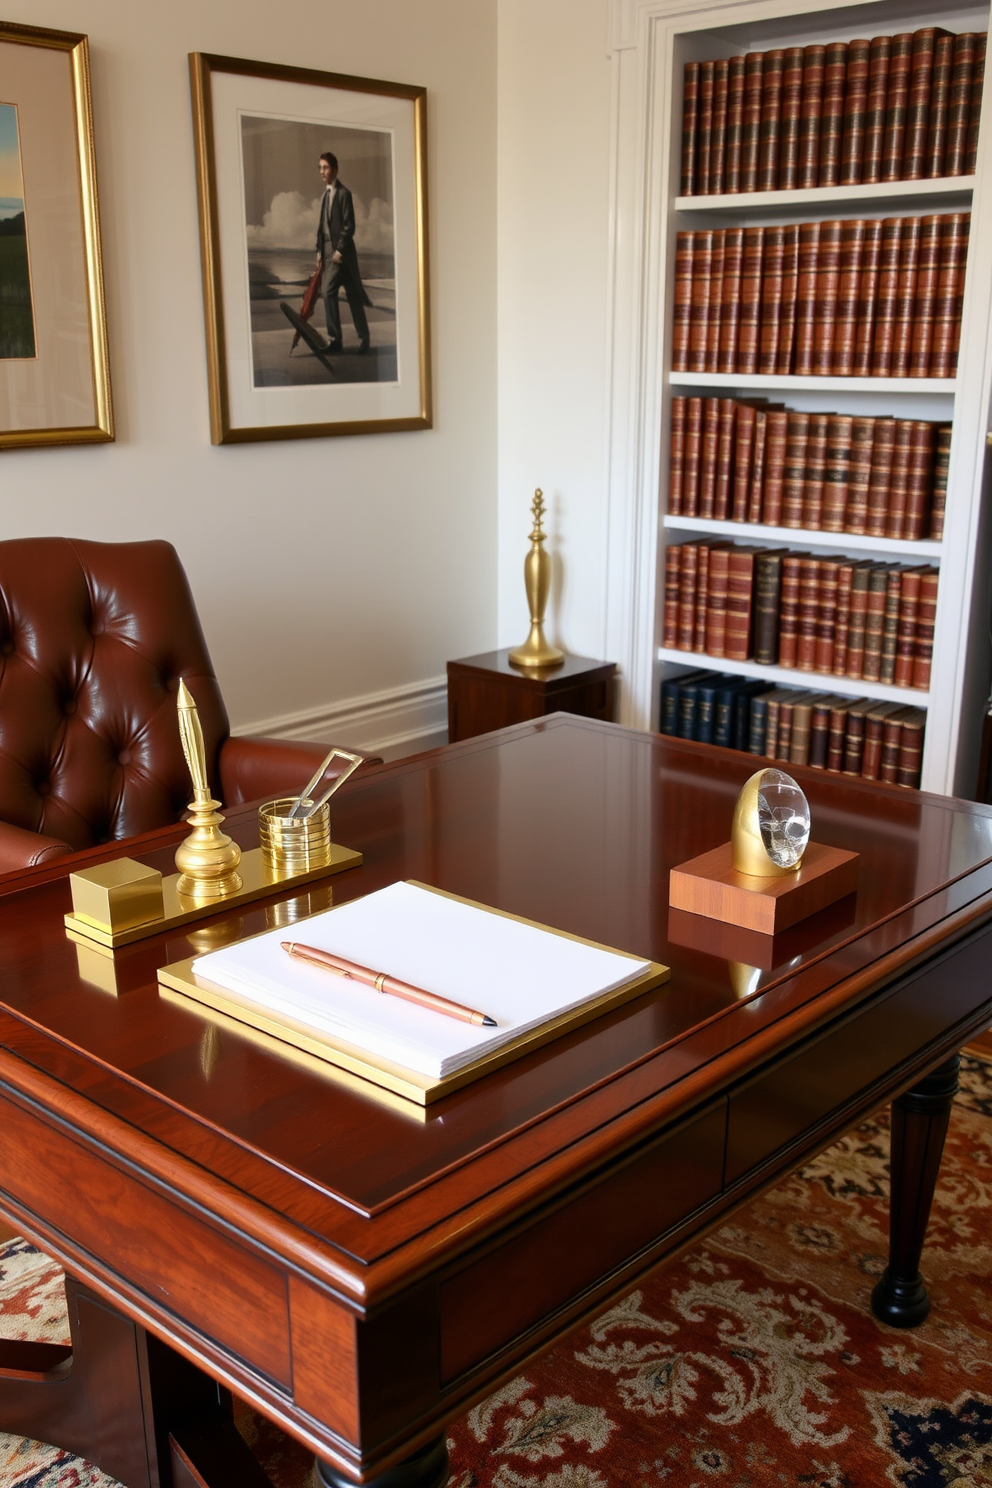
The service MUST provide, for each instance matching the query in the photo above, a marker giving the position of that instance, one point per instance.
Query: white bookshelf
(652, 40)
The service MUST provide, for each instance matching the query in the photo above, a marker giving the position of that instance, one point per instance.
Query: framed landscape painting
(313, 229)
(54, 374)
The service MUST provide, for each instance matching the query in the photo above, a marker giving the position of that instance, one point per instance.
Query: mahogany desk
(361, 1273)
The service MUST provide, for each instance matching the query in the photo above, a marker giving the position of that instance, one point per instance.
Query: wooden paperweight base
(709, 885)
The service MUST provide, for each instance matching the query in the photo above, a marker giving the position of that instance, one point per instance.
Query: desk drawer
(801, 1091)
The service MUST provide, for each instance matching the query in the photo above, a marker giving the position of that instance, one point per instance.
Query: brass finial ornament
(771, 826)
(536, 651)
(207, 860)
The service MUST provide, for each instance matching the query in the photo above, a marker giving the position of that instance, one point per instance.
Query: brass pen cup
(294, 844)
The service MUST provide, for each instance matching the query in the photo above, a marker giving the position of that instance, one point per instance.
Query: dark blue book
(670, 701)
(739, 710)
(758, 721)
(706, 694)
(723, 711)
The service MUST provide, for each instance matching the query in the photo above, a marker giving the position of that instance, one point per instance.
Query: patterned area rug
(752, 1360)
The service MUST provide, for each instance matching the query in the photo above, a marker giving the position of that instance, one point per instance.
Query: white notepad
(520, 975)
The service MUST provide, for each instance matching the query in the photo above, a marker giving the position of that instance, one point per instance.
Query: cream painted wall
(553, 235)
(324, 570)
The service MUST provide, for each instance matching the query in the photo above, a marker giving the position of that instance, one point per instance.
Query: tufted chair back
(93, 640)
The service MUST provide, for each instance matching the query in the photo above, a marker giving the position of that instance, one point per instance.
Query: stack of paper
(518, 974)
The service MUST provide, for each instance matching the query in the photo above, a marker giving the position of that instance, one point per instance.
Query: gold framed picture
(54, 371)
(313, 232)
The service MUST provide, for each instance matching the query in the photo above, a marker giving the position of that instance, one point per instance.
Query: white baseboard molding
(393, 723)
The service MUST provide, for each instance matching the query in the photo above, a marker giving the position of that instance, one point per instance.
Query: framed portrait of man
(313, 220)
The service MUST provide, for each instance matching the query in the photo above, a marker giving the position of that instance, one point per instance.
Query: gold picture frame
(260, 130)
(54, 365)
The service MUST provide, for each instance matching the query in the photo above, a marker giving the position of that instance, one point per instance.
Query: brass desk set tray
(769, 875)
(122, 901)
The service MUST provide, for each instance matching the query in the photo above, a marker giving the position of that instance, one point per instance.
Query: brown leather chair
(93, 640)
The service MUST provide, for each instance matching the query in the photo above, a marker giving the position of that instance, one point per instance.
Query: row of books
(857, 298)
(837, 616)
(749, 461)
(895, 108)
(849, 736)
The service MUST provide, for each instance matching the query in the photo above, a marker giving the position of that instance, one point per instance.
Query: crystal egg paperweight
(771, 825)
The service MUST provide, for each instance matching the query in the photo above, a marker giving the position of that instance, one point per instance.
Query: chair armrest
(20, 848)
(254, 769)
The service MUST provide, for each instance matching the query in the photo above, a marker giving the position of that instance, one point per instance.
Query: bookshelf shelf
(777, 676)
(842, 542)
(951, 189)
(742, 381)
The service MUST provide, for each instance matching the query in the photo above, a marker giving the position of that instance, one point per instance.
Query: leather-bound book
(878, 583)
(975, 112)
(840, 428)
(806, 281)
(826, 614)
(896, 104)
(864, 331)
(794, 474)
(902, 328)
(730, 298)
(909, 607)
(692, 462)
(750, 313)
(852, 145)
(792, 107)
(683, 301)
(708, 458)
(809, 613)
(688, 704)
(705, 125)
(743, 454)
(842, 622)
(852, 237)
(816, 470)
(890, 626)
(837, 735)
(706, 690)
(699, 311)
(790, 286)
(902, 456)
(670, 622)
(885, 304)
(802, 714)
(940, 97)
(771, 119)
(926, 618)
(819, 734)
(743, 700)
(959, 104)
(740, 603)
(827, 285)
(767, 596)
(925, 301)
(758, 721)
(718, 145)
(774, 707)
(676, 457)
(878, 91)
(871, 757)
(888, 770)
(910, 766)
(771, 298)
(715, 302)
(918, 107)
(716, 609)
(727, 694)
(776, 438)
(950, 285)
(702, 595)
(754, 495)
(788, 710)
(724, 458)
(923, 448)
(751, 133)
(859, 475)
(832, 113)
(690, 128)
(810, 114)
(735, 124)
(854, 736)
(789, 600)
(882, 454)
(670, 696)
(688, 568)
(941, 465)
(855, 660)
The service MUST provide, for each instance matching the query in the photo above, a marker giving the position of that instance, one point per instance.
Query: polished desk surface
(303, 1173)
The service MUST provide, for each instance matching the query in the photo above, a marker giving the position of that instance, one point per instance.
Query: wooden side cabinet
(486, 692)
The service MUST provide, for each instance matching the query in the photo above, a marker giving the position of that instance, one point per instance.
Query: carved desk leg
(919, 1126)
(427, 1468)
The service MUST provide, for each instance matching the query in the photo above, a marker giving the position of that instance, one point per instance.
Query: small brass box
(117, 896)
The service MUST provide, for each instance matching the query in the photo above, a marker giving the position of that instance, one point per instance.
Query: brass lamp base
(536, 651)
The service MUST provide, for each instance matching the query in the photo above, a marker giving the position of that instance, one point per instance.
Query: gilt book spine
(724, 459)
(918, 107)
(682, 311)
(837, 736)
(715, 303)
(900, 60)
(882, 455)
(776, 439)
(716, 610)
(771, 725)
(794, 475)
(802, 714)
(757, 465)
(702, 596)
(852, 147)
(735, 124)
(699, 312)
(718, 145)
(878, 582)
(859, 475)
(832, 113)
(941, 466)
(899, 480)
(855, 660)
(693, 456)
(809, 605)
(840, 428)
(792, 107)
(940, 97)
(909, 605)
(740, 585)
(749, 331)
(706, 70)
(767, 596)
(809, 119)
(975, 112)
(902, 327)
(708, 457)
(788, 629)
(751, 133)
(852, 239)
(816, 470)
(676, 457)
(842, 628)
(878, 89)
(888, 289)
(959, 104)
(925, 303)
(686, 633)
(891, 738)
(871, 251)
(950, 285)
(806, 283)
(910, 765)
(771, 119)
(827, 284)
(819, 735)
(826, 618)
(790, 286)
(690, 128)
(743, 451)
(730, 298)
(670, 630)
(920, 485)
(890, 626)
(773, 257)
(926, 618)
(871, 758)
(854, 737)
